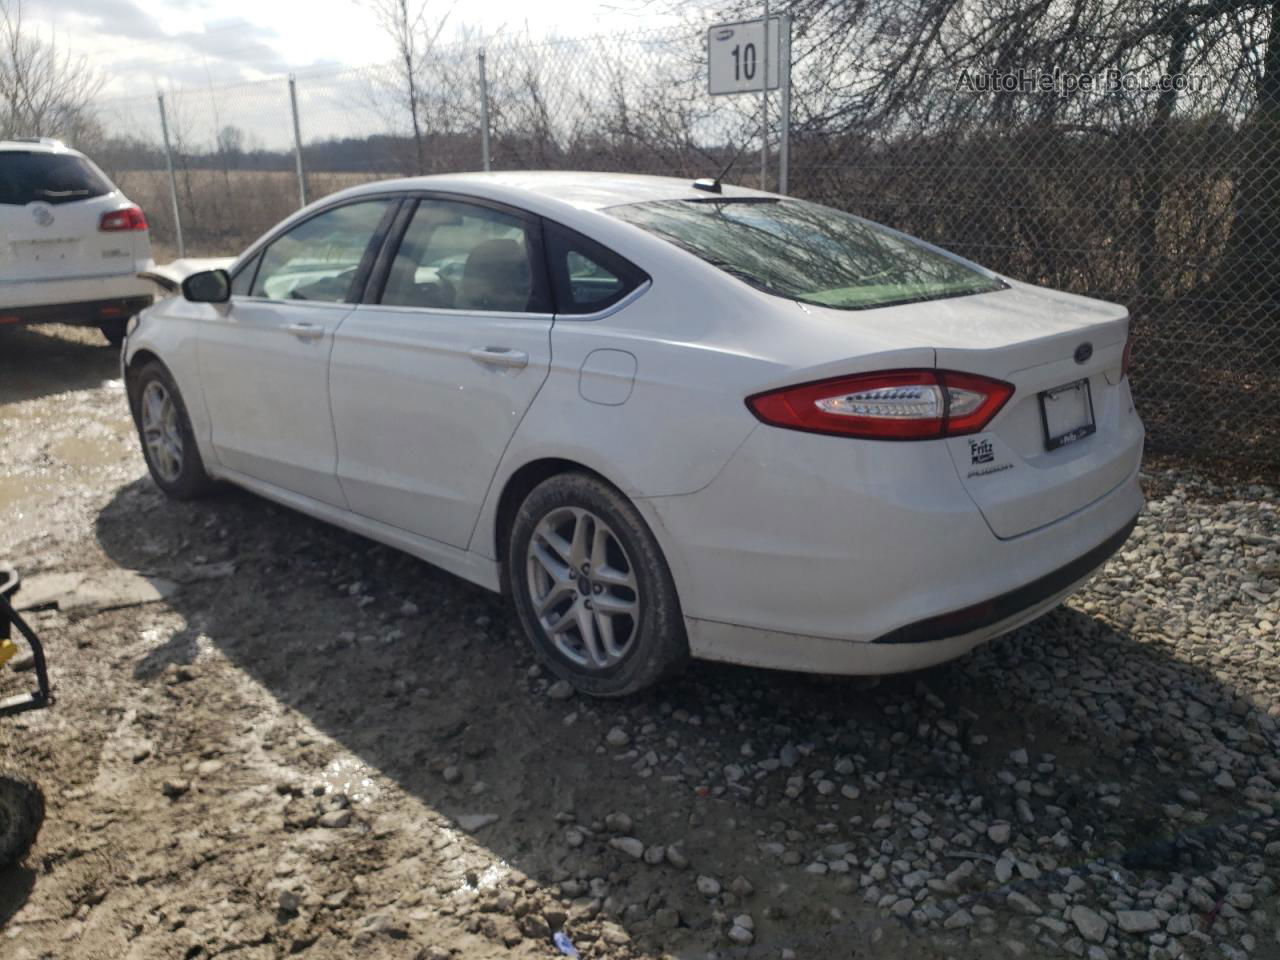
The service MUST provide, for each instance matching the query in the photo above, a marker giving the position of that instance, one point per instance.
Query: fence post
(764, 106)
(173, 178)
(784, 145)
(484, 114)
(297, 142)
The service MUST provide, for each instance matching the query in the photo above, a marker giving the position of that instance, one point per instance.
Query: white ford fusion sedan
(671, 419)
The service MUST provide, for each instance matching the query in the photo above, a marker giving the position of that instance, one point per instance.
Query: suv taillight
(130, 218)
(889, 405)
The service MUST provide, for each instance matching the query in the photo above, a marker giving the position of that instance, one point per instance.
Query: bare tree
(43, 90)
(414, 27)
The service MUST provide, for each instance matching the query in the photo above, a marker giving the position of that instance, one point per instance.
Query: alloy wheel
(160, 431)
(583, 587)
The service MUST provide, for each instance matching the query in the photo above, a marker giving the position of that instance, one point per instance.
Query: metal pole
(784, 145)
(173, 179)
(297, 142)
(764, 107)
(484, 114)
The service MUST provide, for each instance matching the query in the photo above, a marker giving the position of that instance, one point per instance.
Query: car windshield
(807, 252)
(27, 176)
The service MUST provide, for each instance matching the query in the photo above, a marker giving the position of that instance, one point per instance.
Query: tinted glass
(462, 256)
(587, 277)
(808, 252)
(319, 258)
(48, 177)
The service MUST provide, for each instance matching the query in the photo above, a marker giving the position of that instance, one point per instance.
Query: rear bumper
(845, 558)
(69, 292)
(912, 647)
(88, 311)
(1008, 606)
(772, 650)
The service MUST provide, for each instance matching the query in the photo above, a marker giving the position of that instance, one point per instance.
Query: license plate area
(1067, 414)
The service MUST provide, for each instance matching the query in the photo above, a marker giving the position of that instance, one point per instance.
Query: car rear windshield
(807, 252)
(27, 176)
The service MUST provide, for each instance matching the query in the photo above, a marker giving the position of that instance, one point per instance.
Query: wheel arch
(140, 359)
(518, 486)
(522, 480)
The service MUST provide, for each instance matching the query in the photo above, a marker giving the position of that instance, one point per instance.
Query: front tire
(164, 428)
(592, 590)
(21, 813)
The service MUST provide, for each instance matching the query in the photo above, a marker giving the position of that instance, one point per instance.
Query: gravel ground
(314, 745)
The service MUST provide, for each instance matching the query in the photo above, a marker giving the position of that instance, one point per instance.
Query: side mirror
(207, 286)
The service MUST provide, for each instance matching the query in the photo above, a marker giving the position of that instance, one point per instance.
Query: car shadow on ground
(40, 361)
(442, 695)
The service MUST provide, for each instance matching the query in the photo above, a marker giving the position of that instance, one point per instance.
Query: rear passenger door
(429, 381)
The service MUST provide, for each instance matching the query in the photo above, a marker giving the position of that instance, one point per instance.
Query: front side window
(463, 256)
(807, 252)
(28, 176)
(320, 258)
(587, 277)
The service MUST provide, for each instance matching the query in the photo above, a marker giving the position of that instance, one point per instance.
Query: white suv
(71, 244)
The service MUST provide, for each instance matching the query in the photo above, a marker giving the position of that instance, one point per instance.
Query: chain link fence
(1166, 200)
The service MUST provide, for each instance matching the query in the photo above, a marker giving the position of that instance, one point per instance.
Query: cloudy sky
(143, 45)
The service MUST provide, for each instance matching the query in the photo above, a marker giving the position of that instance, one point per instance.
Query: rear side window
(586, 276)
(28, 176)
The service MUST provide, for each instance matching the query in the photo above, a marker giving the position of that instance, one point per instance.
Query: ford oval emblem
(1084, 352)
(725, 34)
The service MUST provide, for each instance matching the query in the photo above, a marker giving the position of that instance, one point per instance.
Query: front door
(264, 356)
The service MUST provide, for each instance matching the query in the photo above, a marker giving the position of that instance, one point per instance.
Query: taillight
(1124, 358)
(130, 218)
(889, 405)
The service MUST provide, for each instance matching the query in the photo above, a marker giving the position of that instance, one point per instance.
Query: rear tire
(114, 330)
(21, 814)
(593, 592)
(164, 428)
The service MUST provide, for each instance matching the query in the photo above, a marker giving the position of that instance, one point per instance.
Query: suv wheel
(592, 590)
(114, 330)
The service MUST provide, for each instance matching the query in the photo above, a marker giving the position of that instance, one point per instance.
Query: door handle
(500, 357)
(305, 331)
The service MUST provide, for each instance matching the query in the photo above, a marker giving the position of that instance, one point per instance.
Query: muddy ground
(318, 746)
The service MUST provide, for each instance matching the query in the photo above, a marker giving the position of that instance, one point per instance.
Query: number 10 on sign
(736, 53)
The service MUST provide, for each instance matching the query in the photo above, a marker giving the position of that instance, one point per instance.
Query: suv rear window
(807, 252)
(27, 176)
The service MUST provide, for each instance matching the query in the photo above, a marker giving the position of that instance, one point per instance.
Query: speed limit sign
(737, 56)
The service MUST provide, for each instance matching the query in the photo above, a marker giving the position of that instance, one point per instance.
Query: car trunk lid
(1068, 435)
(1029, 337)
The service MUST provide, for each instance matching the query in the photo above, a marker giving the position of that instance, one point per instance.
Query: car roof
(586, 190)
(36, 145)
